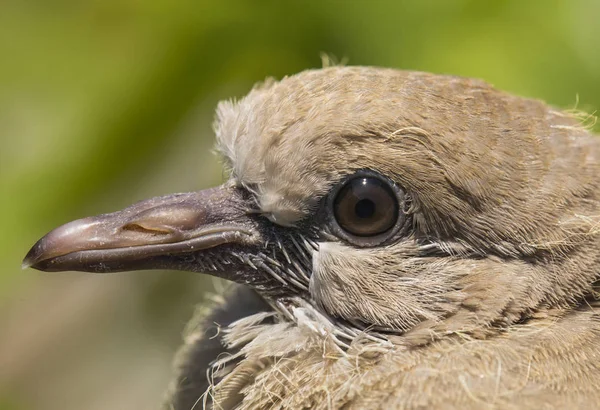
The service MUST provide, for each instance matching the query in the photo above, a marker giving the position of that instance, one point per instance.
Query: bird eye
(366, 206)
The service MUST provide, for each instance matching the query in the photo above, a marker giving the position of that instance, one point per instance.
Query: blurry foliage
(104, 102)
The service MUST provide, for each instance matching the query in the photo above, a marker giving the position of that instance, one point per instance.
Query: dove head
(386, 199)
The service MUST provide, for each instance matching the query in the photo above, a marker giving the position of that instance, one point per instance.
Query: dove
(396, 240)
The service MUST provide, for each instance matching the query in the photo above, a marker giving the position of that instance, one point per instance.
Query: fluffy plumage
(488, 302)
(401, 240)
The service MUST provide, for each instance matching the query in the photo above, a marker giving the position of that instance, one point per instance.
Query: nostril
(136, 227)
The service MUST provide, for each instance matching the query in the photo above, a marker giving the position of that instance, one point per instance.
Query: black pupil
(365, 208)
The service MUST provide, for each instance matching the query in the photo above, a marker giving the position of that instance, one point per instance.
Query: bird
(394, 239)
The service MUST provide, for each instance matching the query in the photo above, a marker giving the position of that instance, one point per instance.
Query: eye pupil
(365, 208)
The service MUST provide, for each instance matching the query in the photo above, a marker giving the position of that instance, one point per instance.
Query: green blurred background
(106, 102)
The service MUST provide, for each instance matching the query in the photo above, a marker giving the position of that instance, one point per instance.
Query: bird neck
(300, 363)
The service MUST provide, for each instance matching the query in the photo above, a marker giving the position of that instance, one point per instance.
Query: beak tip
(33, 257)
(29, 260)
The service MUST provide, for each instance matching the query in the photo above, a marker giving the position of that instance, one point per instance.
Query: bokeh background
(106, 102)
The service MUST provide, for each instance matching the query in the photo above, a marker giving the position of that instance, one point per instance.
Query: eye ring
(366, 209)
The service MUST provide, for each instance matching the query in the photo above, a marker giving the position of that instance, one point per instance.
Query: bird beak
(169, 232)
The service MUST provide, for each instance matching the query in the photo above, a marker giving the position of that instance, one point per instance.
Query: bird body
(549, 363)
(402, 240)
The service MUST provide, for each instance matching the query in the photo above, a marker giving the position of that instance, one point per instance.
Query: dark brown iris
(366, 206)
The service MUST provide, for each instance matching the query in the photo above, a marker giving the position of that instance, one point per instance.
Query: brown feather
(489, 303)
